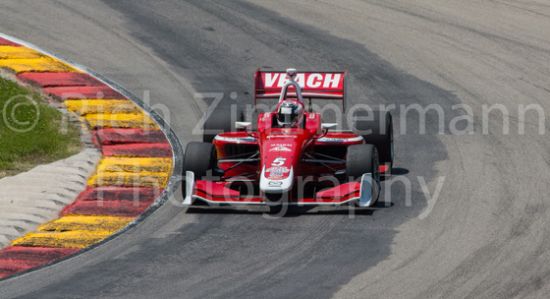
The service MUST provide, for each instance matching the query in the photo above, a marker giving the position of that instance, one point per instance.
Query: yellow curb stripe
(68, 239)
(141, 179)
(44, 64)
(11, 52)
(86, 223)
(120, 120)
(136, 165)
(96, 106)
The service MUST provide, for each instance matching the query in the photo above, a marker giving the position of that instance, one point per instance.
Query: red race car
(291, 157)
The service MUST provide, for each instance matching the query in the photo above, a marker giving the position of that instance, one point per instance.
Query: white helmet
(290, 114)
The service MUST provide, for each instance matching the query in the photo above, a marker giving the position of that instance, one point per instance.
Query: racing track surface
(485, 236)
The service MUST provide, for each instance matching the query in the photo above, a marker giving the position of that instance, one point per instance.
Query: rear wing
(315, 85)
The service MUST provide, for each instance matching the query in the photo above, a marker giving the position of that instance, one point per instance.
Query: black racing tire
(200, 158)
(380, 134)
(361, 159)
(220, 121)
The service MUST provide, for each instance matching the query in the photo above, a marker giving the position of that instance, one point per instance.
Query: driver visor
(286, 116)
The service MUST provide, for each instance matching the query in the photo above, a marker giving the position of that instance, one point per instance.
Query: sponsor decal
(340, 140)
(282, 136)
(277, 172)
(280, 148)
(275, 183)
(306, 80)
(328, 139)
(235, 139)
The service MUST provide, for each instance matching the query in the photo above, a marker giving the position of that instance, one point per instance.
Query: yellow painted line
(11, 52)
(68, 239)
(120, 120)
(118, 164)
(44, 64)
(95, 106)
(140, 179)
(87, 223)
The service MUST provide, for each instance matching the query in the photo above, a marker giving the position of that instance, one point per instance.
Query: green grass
(31, 131)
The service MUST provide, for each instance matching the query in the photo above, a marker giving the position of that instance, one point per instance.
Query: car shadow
(399, 171)
(293, 211)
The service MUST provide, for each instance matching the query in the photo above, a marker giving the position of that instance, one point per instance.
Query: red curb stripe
(15, 259)
(5, 42)
(138, 150)
(5, 273)
(59, 79)
(124, 208)
(19, 265)
(14, 266)
(117, 136)
(119, 193)
(34, 253)
(83, 92)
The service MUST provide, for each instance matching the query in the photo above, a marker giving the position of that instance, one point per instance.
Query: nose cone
(270, 184)
(280, 154)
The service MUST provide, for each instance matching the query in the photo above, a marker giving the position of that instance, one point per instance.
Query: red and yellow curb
(136, 165)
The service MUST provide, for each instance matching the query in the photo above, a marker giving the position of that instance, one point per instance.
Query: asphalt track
(485, 236)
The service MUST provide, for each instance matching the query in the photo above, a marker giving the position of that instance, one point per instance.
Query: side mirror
(326, 126)
(243, 125)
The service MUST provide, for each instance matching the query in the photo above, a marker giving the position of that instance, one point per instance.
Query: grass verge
(31, 131)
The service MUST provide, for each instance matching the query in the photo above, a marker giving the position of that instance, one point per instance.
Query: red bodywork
(309, 157)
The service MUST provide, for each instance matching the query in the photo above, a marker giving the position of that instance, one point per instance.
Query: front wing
(364, 193)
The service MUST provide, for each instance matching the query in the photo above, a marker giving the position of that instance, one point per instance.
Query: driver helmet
(290, 114)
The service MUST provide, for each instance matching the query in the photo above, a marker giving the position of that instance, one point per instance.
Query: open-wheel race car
(292, 157)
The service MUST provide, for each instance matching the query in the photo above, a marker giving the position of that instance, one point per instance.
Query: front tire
(200, 158)
(361, 159)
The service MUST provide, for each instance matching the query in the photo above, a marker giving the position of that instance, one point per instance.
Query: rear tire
(220, 121)
(380, 134)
